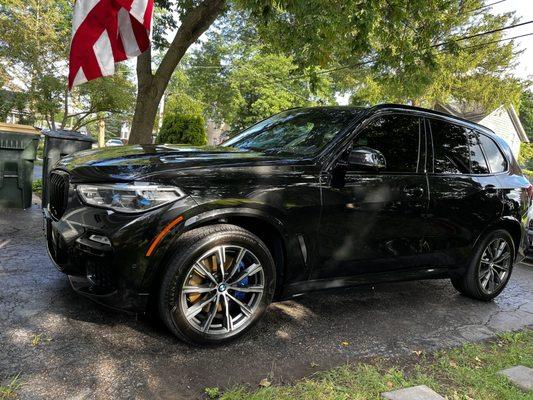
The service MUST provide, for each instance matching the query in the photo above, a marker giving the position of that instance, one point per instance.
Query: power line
(359, 64)
(496, 41)
(485, 6)
(483, 33)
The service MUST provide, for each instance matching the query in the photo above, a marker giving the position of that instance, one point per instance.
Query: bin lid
(16, 128)
(70, 135)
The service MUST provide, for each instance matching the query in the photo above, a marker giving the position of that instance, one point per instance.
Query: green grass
(9, 391)
(465, 373)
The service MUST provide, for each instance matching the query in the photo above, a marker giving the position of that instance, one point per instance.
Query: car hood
(131, 162)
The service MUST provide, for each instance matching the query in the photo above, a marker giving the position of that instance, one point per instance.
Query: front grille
(59, 183)
(531, 224)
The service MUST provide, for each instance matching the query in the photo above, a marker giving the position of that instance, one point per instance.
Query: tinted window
(494, 156)
(397, 137)
(300, 131)
(450, 146)
(477, 159)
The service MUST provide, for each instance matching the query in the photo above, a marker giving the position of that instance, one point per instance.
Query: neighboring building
(503, 121)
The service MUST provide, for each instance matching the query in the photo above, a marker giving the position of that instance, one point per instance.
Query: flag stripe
(104, 54)
(138, 7)
(128, 39)
(106, 32)
(81, 10)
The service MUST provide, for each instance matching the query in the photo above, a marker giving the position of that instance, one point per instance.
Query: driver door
(373, 221)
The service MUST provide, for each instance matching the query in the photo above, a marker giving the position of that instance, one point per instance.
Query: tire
(235, 304)
(472, 282)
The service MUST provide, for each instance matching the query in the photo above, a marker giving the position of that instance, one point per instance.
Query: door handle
(413, 192)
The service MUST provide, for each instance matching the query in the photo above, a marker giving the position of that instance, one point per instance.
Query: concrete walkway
(86, 351)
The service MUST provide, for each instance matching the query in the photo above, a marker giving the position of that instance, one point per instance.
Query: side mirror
(366, 158)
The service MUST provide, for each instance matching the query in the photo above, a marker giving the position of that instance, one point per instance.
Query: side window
(494, 156)
(477, 159)
(397, 137)
(450, 148)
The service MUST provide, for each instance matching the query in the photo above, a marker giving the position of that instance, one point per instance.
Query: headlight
(129, 198)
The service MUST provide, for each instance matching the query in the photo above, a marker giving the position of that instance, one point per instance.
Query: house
(503, 121)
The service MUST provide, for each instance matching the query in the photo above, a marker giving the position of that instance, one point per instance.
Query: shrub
(525, 158)
(183, 129)
(37, 187)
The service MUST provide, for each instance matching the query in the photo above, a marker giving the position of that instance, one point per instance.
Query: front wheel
(218, 285)
(490, 267)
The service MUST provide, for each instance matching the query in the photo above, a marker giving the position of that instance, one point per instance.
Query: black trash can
(18, 149)
(58, 144)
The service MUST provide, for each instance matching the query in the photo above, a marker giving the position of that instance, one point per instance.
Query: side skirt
(298, 288)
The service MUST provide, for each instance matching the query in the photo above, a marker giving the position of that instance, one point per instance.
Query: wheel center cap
(222, 287)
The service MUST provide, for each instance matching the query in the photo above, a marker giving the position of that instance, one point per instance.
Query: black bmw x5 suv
(311, 198)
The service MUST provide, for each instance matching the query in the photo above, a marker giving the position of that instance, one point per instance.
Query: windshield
(300, 131)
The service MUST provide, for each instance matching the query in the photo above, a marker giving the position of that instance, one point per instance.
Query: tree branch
(194, 23)
(79, 125)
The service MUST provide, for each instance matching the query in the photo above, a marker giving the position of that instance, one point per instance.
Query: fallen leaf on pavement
(265, 383)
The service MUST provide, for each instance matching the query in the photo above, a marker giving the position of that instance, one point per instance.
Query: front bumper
(116, 274)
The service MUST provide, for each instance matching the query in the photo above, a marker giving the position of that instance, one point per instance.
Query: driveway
(85, 351)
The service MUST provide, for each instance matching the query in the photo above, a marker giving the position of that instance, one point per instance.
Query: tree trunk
(151, 87)
(148, 98)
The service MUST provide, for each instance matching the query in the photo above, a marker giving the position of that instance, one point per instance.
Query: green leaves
(183, 129)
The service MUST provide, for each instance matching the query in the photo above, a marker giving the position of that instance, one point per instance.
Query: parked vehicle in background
(311, 198)
(114, 143)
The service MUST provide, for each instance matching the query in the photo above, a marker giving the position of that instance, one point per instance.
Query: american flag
(105, 32)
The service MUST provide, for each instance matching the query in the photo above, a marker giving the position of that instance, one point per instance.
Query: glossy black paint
(327, 224)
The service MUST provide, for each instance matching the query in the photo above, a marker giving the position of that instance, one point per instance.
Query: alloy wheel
(222, 290)
(494, 265)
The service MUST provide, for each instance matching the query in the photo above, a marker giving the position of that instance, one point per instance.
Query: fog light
(100, 239)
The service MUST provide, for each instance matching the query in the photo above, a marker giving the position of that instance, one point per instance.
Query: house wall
(501, 123)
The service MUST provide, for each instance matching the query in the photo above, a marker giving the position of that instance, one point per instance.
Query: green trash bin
(58, 144)
(18, 149)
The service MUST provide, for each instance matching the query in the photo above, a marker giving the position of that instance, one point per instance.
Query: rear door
(465, 195)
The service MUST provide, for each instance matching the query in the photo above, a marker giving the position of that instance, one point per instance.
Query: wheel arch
(268, 228)
(509, 224)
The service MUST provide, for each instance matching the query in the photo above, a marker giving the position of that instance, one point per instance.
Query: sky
(523, 10)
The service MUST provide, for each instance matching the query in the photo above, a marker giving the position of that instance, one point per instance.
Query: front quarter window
(302, 131)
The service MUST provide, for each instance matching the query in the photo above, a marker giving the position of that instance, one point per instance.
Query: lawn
(465, 373)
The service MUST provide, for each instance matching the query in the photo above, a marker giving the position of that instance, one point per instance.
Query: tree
(526, 112)
(317, 33)
(183, 129)
(33, 60)
(469, 68)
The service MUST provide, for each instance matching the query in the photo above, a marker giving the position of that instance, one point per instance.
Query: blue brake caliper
(243, 283)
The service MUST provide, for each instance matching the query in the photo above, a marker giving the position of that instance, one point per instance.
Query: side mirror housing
(366, 158)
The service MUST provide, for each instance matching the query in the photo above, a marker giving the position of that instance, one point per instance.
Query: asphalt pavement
(64, 346)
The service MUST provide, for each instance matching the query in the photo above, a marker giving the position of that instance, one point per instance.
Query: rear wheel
(490, 267)
(218, 285)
